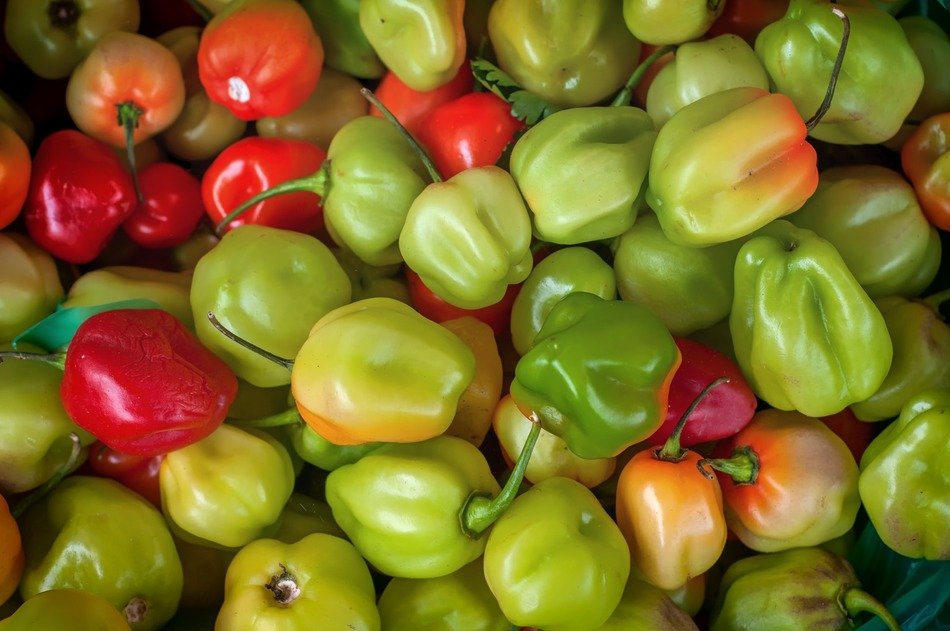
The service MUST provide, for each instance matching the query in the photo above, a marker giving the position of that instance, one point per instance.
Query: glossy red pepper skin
(497, 316)
(138, 473)
(171, 207)
(254, 164)
(79, 195)
(141, 383)
(723, 412)
(746, 18)
(410, 107)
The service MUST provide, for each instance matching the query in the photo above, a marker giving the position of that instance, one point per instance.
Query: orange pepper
(11, 552)
(15, 166)
(925, 157)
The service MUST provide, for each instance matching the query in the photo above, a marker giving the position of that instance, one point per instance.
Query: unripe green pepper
(66, 610)
(323, 454)
(932, 47)
(663, 276)
(29, 288)
(345, 46)
(228, 488)
(560, 273)
(570, 52)
(320, 580)
(583, 171)
(799, 52)
(468, 238)
(129, 558)
(268, 286)
(806, 335)
(670, 22)
(905, 478)
(643, 606)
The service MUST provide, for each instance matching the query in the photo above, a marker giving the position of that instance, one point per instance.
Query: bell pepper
(241, 68)
(460, 601)
(11, 552)
(925, 158)
(335, 101)
(921, 340)
(768, 591)
(787, 481)
(29, 288)
(798, 52)
(319, 578)
(171, 207)
(432, 30)
(560, 273)
(52, 37)
(666, 23)
(582, 171)
(858, 205)
(293, 280)
(129, 559)
(571, 53)
(367, 354)
(210, 492)
(468, 238)
(904, 478)
(16, 117)
(806, 335)
(66, 608)
(644, 606)
(598, 374)
(555, 559)
(15, 166)
(345, 46)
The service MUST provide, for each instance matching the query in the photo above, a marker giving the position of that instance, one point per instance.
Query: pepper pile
(474, 314)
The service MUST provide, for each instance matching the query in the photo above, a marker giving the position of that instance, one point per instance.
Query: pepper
(345, 46)
(806, 335)
(128, 559)
(204, 568)
(746, 18)
(320, 578)
(11, 553)
(426, 302)
(171, 207)
(323, 454)
(904, 475)
(410, 106)
(30, 285)
(53, 36)
(15, 168)
(662, 23)
(931, 44)
(643, 606)
(303, 516)
(65, 609)
(473, 415)
(137, 473)
(16, 117)
(598, 374)
(924, 158)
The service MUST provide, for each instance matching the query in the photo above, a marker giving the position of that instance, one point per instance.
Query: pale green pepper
(29, 287)
(170, 290)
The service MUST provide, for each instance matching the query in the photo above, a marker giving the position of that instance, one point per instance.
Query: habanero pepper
(429, 304)
(30, 286)
(410, 107)
(138, 473)
(170, 210)
(11, 552)
(925, 158)
(15, 165)
(746, 18)
(66, 608)
(345, 46)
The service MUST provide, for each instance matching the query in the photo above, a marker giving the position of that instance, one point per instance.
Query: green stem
(742, 467)
(626, 93)
(53, 359)
(672, 451)
(22, 505)
(281, 419)
(812, 122)
(420, 151)
(936, 301)
(315, 183)
(254, 348)
(480, 512)
(201, 10)
(128, 117)
(855, 600)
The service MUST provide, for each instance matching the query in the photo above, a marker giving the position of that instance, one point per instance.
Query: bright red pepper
(260, 58)
(14, 174)
(255, 164)
(746, 18)
(925, 156)
(80, 193)
(171, 207)
(138, 473)
(410, 106)
(497, 316)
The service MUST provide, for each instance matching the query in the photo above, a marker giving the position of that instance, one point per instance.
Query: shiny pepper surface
(670, 22)
(15, 168)
(925, 157)
(30, 285)
(345, 45)
(66, 609)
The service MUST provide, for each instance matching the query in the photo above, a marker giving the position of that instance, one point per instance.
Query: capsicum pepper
(925, 157)
(66, 608)
(670, 23)
(345, 46)
(11, 552)
(30, 285)
(15, 166)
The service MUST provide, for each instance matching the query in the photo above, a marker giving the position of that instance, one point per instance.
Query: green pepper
(799, 52)
(904, 478)
(858, 205)
(53, 36)
(345, 46)
(320, 579)
(460, 601)
(932, 47)
(302, 516)
(468, 238)
(14, 116)
(583, 171)
(29, 288)
(802, 588)
(268, 286)
(128, 558)
(643, 606)
(228, 488)
(663, 276)
(66, 610)
(556, 560)
(598, 374)
(323, 454)
(806, 335)
(670, 22)
(114, 284)
(560, 273)
(571, 52)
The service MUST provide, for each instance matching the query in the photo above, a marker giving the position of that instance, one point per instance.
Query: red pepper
(260, 58)
(171, 207)
(14, 174)
(723, 412)
(746, 18)
(855, 433)
(138, 473)
(925, 157)
(471, 131)
(255, 164)
(497, 316)
(410, 106)
(80, 193)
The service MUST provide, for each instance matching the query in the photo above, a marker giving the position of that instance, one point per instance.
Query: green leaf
(57, 329)
(525, 106)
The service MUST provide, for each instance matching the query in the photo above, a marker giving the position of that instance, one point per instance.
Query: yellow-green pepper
(670, 22)
(170, 290)
(30, 286)
(66, 610)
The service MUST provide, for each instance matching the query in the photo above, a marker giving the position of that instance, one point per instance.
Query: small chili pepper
(747, 18)
(473, 415)
(170, 210)
(344, 43)
(410, 107)
(670, 23)
(66, 608)
(15, 168)
(925, 157)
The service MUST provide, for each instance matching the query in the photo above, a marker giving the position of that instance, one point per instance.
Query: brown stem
(812, 122)
(420, 151)
(234, 337)
(284, 586)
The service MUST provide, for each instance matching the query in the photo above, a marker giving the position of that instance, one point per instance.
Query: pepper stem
(743, 467)
(128, 117)
(315, 183)
(626, 93)
(672, 451)
(287, 417)
(419, 149)
(136, 610)
(22, 505)
(201, 10)
(936, 301)
(854, 600)
(480, 512)
(234, 337)
(284, 586)
(812, 122)
(53, 359)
